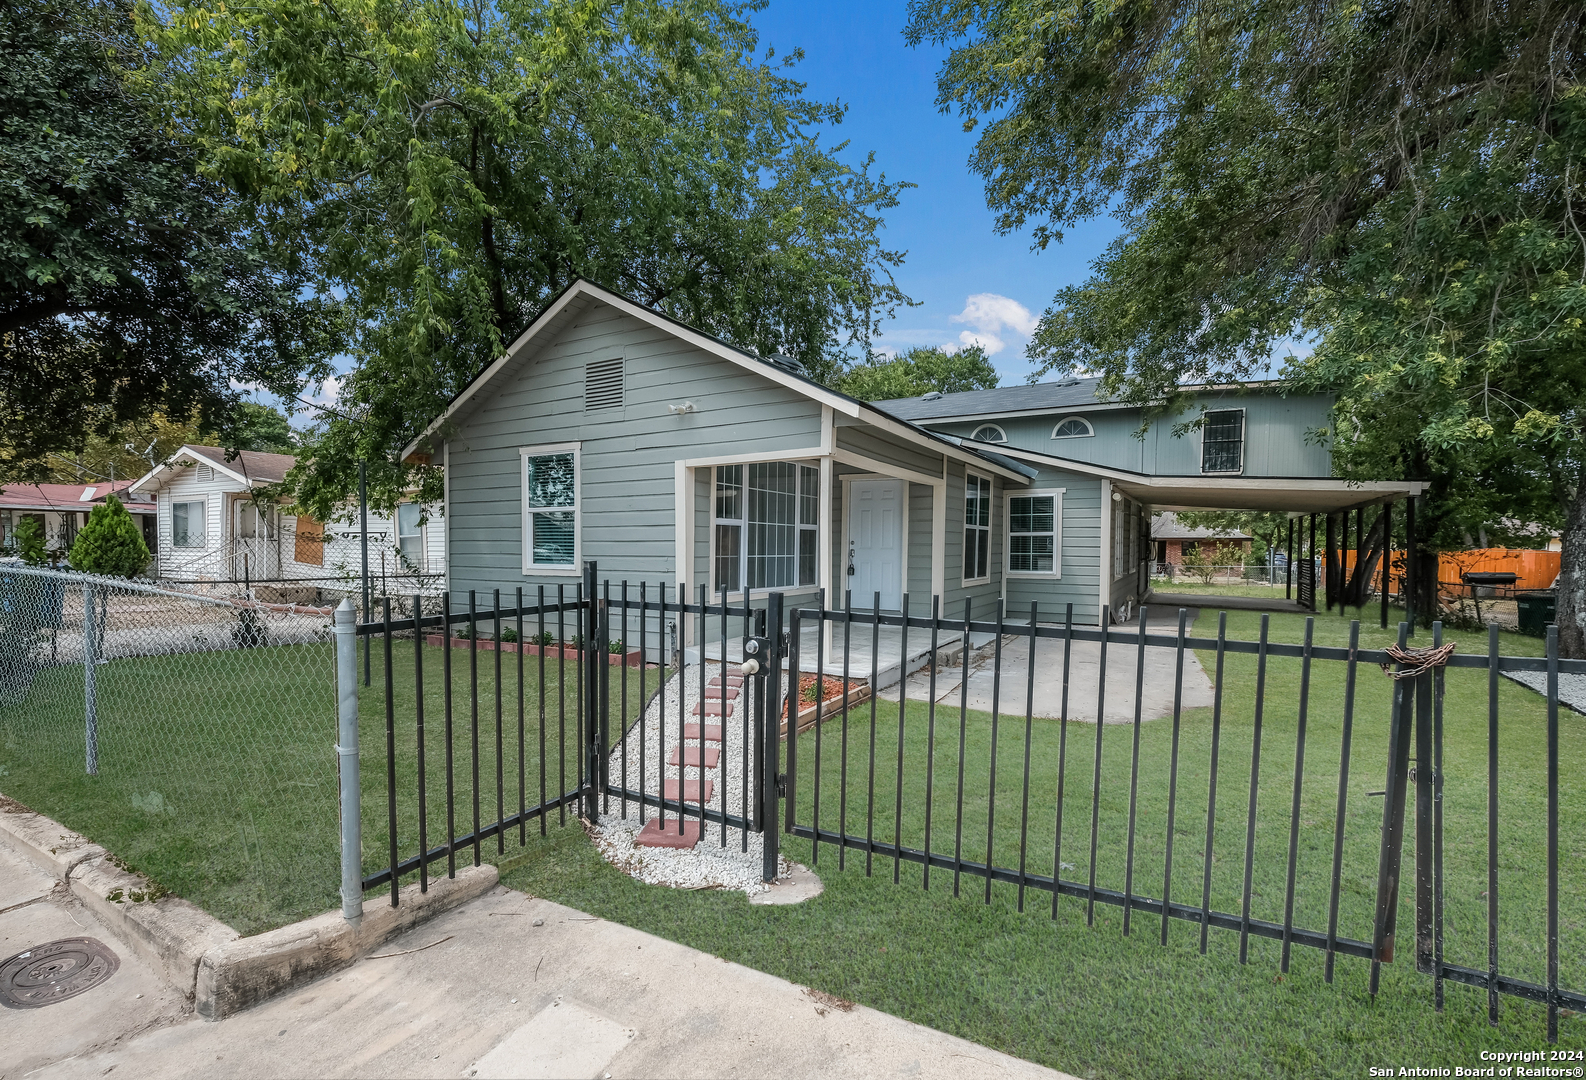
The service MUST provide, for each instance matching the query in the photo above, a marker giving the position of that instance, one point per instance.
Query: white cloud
(991, 318)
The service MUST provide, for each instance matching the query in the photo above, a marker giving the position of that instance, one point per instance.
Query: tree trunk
(1572, 579)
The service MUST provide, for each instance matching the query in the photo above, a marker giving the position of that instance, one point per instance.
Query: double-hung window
(550, 509)
(187, 524)
(977, 528)
(1035, 525)
(765, 522)
(410, 535)
(1223, 442)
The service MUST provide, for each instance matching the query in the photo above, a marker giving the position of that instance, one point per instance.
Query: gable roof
(1060, 396)
(250, 467)
(1166, 526)
(582, 290)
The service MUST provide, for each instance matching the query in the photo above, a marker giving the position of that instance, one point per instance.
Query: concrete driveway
(1084, 678)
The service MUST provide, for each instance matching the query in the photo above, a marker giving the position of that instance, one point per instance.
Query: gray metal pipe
(90, 681)
(347, 762)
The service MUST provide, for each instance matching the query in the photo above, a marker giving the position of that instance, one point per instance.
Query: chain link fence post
(343, 629)
(90, 683)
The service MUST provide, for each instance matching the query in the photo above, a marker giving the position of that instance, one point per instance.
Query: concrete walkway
(1084, 677)
(1162, 603)
(505, 986)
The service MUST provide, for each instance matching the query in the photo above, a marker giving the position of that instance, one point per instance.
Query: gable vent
(205, 473)
(603, 385)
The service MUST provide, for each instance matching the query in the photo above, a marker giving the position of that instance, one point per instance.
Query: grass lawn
(218, 769)
(1189, 586)
(1088, 999)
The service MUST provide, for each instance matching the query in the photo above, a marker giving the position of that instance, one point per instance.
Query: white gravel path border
(1571, 688)
(710, 864)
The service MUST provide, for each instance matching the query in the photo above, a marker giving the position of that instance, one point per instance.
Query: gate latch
(781, 785)
(755, 650)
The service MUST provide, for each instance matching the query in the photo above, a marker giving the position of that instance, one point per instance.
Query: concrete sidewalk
(505, 986)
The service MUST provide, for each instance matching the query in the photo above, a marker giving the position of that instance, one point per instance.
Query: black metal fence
(1170, 776)
(565, 700)
(1005, 795)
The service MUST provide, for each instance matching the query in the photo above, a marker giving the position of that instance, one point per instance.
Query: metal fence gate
(533, 698)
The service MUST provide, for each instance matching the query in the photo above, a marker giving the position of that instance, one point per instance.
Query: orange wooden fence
(1536, 569)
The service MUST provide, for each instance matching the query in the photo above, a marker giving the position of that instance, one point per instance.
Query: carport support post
(1310, 554)
(90, 683)
(343, 628)
(1330, 560)
(1387, 557)
(1412, 575)
(1288, 565)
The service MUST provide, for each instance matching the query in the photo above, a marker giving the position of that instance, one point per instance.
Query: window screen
(410, 535)
(1032, 534)
(1223, 442)
(977, 527)
(550, 485)
(187, 524)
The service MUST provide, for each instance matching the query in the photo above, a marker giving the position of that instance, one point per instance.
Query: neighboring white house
(212, 527)
(63, 509)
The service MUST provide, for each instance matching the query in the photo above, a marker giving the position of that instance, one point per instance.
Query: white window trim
(995, 427)
(524, 453)
(422, 533)
(1057, 532)
(1090, 429)
(1242, 444)
(990, 527)
(202, 501)
(820, 528)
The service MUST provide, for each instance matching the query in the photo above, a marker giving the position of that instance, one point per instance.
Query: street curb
(206, 960)
(247, 971)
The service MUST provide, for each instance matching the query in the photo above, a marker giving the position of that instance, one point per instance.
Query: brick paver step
(690, 790)
(652, 835)
(712, 707)
(733, 679)
(716, 691)
(692, 755)
(710, 732)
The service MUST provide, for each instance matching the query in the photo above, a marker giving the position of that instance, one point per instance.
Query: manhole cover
(54, 972)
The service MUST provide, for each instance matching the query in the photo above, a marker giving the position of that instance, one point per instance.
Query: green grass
(1188, 586)
(1089, 1000)
(218, 773)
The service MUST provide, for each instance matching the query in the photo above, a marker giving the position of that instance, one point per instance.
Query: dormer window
(1073, 427)
(989, 433)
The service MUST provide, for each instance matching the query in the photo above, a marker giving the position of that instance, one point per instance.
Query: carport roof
(1291, 494)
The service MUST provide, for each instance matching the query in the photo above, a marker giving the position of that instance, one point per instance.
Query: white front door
(875, 542)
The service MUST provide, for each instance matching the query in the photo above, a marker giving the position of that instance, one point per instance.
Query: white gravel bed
(710, 864)
(1571, 688)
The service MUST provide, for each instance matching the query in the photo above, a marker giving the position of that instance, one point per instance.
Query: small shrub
(507, 634)
(464, 631)
(576, 641)
(29, 537)
(615, 647)
(111, 543)
(547, 638)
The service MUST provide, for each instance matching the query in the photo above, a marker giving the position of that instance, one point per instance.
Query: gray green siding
(1278, 439)
(628, 454)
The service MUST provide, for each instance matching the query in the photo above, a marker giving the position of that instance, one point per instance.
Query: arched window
(1073, 427)
(989, 433)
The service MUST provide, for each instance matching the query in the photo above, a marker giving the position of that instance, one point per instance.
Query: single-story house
(212, 527)
(63, 510)
(1172, 540)
(610, 432)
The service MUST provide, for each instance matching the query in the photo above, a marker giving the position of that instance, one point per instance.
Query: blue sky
(854, 52)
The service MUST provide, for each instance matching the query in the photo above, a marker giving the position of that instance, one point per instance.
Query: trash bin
(1537, 611)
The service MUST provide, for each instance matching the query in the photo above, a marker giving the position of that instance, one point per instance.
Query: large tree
(1397, 185)
(450, 167)
(917, 371)
(129, 283)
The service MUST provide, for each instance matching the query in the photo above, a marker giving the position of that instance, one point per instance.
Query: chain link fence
(191, 735)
